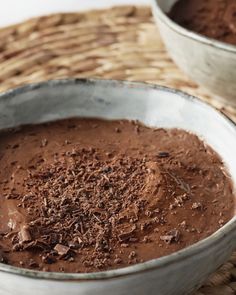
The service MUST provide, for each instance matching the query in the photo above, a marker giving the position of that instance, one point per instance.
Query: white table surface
(13, 11)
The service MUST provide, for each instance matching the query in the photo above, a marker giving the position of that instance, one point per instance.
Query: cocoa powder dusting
(91, 195)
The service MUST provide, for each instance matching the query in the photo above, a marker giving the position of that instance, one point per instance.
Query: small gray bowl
(179, 273)
(206, 61)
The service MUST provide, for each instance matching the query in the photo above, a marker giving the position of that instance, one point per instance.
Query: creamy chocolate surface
(85, 195)
(212, 18)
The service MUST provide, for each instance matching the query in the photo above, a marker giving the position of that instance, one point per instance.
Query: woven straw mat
(118, 43)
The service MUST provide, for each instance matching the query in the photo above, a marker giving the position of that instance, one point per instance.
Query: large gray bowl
(206, 61)
(178, 273)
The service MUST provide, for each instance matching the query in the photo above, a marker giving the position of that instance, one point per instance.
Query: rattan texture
(117, 43)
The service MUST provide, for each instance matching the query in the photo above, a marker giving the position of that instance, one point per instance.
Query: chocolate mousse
(86, 195)
(214, 19)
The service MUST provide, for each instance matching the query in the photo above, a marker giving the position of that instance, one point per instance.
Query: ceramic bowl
(208, 62)
(178, 273)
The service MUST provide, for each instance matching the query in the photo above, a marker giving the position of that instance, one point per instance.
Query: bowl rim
(159, 263)
(190, 34)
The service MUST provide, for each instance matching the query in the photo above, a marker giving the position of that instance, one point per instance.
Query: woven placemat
(118, 43)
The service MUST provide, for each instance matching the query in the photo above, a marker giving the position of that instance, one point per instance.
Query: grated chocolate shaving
(61, 249)
(172, 236)
(24, 234)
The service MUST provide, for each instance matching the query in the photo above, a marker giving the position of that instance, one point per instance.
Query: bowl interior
(166, 5)
(154, 106)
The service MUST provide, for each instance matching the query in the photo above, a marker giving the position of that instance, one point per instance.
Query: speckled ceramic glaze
(179, 273)
(208, 62)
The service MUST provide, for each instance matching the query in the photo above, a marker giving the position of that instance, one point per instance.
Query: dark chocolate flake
(163, 155)
(15, 146)
(33, 264)
(197, 205)
(24, 234)
(172, 236)
(44, 142)
(48, 259)
(61, 249)
(126, 235)
(3, 258)
(36, 245)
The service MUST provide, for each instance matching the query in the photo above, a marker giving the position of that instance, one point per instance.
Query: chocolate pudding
(86, 195)
(214, 19)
